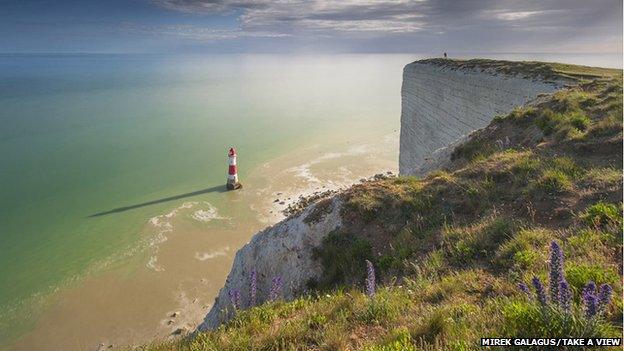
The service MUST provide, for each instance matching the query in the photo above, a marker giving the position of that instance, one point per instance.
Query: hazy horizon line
(302, 53)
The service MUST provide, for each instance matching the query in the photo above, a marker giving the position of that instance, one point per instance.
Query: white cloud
(467, 24)
(385, 26)
(302, 16)
(512, 16)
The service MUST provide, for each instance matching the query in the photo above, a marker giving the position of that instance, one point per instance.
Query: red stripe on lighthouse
(232, 170)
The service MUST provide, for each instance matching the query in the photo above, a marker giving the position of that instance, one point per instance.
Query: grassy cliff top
(450, 249)
(550, 71)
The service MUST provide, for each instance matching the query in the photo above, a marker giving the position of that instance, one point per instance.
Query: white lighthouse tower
(232, 179)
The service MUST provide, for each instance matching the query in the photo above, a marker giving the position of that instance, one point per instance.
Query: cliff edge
(445, 100)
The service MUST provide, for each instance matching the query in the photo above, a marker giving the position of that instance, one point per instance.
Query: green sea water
(92, 146)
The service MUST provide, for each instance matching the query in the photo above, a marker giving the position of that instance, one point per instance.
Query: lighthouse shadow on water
(232, 184)
(214, 189)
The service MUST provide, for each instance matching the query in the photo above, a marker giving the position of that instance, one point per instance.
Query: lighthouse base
(233, 185)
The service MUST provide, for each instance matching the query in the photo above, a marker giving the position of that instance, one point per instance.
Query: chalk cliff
(443, 102)
(284, 250)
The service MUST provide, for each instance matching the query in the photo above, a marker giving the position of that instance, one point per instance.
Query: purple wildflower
(370, 279)
(604, 296)
(589, 299)
(565, 296)
(589, 289)
(525, 289)
(556, 270)
(253, 286)
(591, 307)
(276, 287)
(539, 291)
(235, 298)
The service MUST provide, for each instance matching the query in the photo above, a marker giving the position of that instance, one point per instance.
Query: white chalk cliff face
(283, 250)
(441, 105)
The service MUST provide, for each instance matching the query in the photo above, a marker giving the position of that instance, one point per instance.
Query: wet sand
(168, 287)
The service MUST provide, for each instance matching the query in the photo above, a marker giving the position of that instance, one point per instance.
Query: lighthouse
(232, 179)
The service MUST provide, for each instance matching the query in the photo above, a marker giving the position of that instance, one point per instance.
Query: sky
(311, 26)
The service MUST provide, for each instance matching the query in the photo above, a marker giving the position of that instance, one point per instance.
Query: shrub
(611, 125)
(525, 258)
(579, 120)
(602, 177)
(474, 149)
(523, 113)
(587, 101)
(553, 182)
(436, 324)
(477, 243)
(580, 273)
(527, 165)
(522, 250)
(567, 166)
(568, 122)
(603, 215)
(590, 242)
(550, 121)
(430, 266)
(338, 254)
(366, 204)
(388, 262)
(498, 231)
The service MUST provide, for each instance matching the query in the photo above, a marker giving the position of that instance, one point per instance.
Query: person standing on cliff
(445, 55)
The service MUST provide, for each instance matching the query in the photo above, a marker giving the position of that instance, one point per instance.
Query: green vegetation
(450, 249)
(339, 252)
(603, 215)
(533, 69)
(523, 319)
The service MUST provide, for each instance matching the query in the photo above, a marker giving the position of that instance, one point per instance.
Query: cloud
(512, 16)
(383, 16)
(303, 17)
(210, 6)
(465, 23)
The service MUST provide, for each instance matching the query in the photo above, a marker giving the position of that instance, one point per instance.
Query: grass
(523, 319)
(477, 243)
(525, 249)
(339, 251)
(532, 69)
(604, 215)
(450, 248)
(553, 182)
(580, 273)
